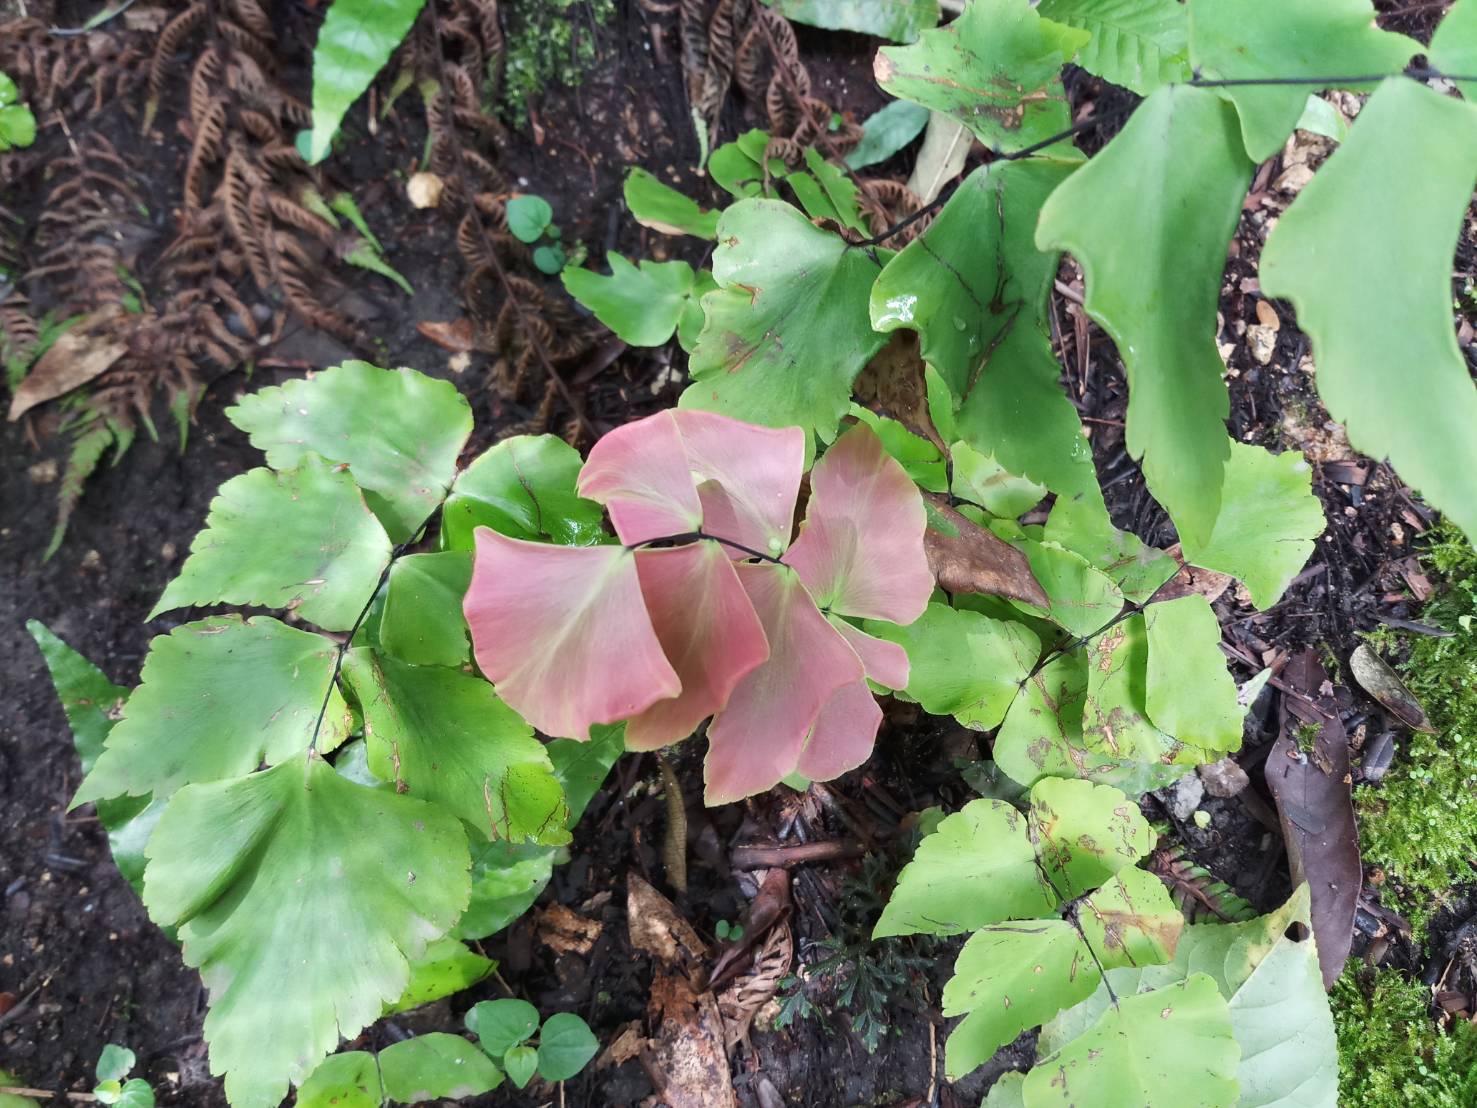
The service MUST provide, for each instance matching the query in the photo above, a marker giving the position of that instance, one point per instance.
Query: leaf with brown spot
(1313, 790)
(964, 557)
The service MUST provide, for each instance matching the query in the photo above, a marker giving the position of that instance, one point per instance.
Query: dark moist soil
(79, 956)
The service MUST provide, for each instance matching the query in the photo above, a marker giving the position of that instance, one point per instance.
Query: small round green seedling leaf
(115, 1063)
(304, 895)
(1131, 921)
(502, 1024)
(1268, 520)
(978, 868)
(422, 621)
(1008, 978)
(324, 557)
(397, 430)
(521, 1062)
(524, 487)
(549, 258)
(348, 1080)
(135, 1093)
(215, 699)
(445, 736)
(429, 1067)
(1084, 833)
(962, 663)
(565, 1045)
(1173, 1046)
(446, 967)
(529, 217)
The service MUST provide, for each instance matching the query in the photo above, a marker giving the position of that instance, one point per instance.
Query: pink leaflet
(708, 631)
(747, 478)
(760, 736)
(562, 631)
(886, 662)
(843, 735)
(640, 473)
(860, 549)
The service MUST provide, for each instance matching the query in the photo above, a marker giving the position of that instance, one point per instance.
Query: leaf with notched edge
(788, 328)
(302, 894)
(326, 553)
(997, 68)
(216, 698)
(404, 457)
(1009, 978)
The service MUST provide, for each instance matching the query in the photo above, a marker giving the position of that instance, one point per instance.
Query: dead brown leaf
(1381, 682)
(658, 929)
(1315, 805)
(455, 335)
(565, 931)
(893, 385)
(76, 357)
(628, 1044)
(964, 557)
(688, 1060)
(1193, 580)
(747, 995)
(769, 906)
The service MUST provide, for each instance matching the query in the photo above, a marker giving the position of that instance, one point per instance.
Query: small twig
(674, 846)
(768, 857)
(695, 536)
(343, 647)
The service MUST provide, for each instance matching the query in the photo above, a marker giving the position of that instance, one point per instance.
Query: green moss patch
(1391, 1054)
(1420, 824)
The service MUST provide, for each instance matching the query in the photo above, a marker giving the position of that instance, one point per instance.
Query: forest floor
(81, 964)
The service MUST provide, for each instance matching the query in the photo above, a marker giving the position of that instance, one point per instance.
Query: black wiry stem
(694, 536)
(1418, 73)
